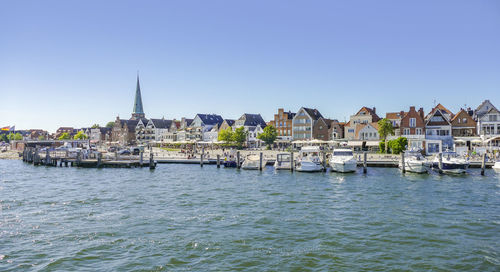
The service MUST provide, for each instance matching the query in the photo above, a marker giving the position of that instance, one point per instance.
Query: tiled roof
(314, 113)
(371, 111)
(230, 122)
(394, 115)
(253, 120)
(210, 119)
(161, 123)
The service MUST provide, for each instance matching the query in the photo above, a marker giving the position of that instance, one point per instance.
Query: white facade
(368, 133)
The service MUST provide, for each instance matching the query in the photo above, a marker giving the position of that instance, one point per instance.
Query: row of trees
(239, 136)
(11, 137)
(79, 136)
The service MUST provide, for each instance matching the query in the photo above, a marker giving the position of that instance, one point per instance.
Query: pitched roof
(314, 113)
(210, 119)
(161, 123)
(395, 115)
(371, 111)
(253, 120)
(230, 122)
(188, 121)
(443, 110)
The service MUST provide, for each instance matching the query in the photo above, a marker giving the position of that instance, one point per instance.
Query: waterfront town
(470, 130)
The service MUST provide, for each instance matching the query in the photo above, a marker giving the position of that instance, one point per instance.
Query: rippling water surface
(183, 217)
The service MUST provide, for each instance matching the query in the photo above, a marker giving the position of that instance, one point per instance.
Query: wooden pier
(37, 156)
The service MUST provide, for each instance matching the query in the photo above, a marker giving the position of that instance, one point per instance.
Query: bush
(397, 145)
(381, 146)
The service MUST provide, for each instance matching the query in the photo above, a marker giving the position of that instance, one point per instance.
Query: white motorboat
(496, 166)
(343, 161)
(414, 162)
(251, 162)
(283, 162)
(452, 163)
(308, 160)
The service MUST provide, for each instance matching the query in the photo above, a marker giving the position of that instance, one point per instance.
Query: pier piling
(403, 169)
(440, 156)
(483, 164)
(324, 161)
(364, 162)
(292, 162)
(238, 160)
(218, 161)
(141, 158)
(152, 164)
(202, 154)
(260, 161)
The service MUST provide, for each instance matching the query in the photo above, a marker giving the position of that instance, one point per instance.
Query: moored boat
(414, 162)
(343, 161)
(496, 166)
(452, 163)
(308, 160)
(283, 161)
(251, 162)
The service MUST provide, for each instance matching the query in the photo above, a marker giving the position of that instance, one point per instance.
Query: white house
(488, 120)
(254, 125)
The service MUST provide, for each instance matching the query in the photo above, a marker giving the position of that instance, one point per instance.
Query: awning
(372, 143)
(355, 143)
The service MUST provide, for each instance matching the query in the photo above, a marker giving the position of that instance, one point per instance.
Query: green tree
(385, 129)
(110, 124)
(239, 136)
(64, 136)
(40, 138)
(96, 126)
(381, 146)
(3, 138)
(80, 136)
(15, 137)
(225, 135)
(269, 135)
(398, 145)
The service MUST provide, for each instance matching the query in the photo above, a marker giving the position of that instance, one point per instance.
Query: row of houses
(434, 131)
(202, 128)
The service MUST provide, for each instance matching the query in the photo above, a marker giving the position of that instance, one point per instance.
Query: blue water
(187, 218)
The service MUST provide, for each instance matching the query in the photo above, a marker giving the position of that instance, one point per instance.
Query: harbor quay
(471, 136)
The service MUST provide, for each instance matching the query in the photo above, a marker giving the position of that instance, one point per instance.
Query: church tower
(138, 111)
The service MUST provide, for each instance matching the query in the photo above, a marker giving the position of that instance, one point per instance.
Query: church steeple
(138, 111)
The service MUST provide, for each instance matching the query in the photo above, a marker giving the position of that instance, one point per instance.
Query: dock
(38, 156)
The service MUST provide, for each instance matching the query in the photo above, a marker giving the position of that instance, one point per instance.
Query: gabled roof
(314, 113)
(253, 120)
(188, 121)
(161, 123)
(443, 110)
(230, 122)
(394, 115)
(210, 119)
(484, 103)
(372, 112)
(437, 111)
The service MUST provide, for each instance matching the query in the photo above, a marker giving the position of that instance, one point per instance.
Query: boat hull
(452, 168)
(414, 167)
(496, 167)
(282, 165)
(344, 167)
(309, 167)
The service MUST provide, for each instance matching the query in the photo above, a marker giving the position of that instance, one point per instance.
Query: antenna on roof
(434, 102)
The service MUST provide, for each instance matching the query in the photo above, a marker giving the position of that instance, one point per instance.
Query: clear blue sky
(74, 63)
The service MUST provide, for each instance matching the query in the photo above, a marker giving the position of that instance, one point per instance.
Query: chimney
(412, 108)
(421, 112)
(374, 110)
(401, 114)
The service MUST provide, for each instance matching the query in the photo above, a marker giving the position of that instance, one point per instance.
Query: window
(406, 131)
(464, 120)
(413, 122)
(493, 118)
(351, 130)
(418, 131)
(320, 127)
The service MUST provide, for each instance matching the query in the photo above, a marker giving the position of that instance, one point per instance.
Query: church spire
(138, 111)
